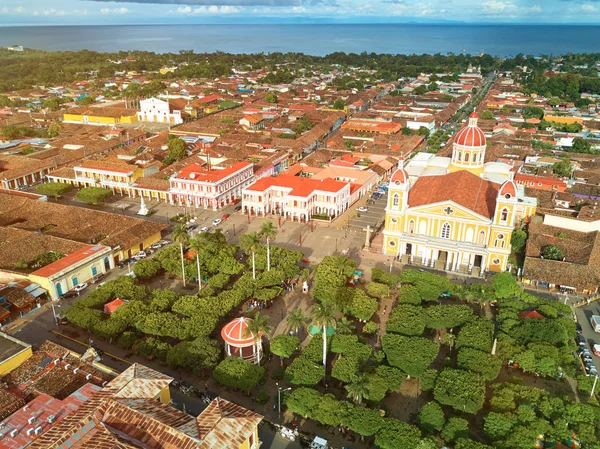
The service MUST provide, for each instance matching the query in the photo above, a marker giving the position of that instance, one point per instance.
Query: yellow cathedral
(454, 213)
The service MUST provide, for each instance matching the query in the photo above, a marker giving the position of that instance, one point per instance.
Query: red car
(235, 201)
(225, 217)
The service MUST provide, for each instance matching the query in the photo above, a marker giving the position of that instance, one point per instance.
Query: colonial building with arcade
(455, 213)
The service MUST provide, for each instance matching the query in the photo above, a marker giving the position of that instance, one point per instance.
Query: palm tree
(296, 319)
(197, 244)
(268, 231)
(257, 325)
(324, 315)
(249, 244)
(181, 236)
(357, 388)
(345, 326)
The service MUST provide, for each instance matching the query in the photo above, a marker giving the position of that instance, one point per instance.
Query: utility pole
(594, 387)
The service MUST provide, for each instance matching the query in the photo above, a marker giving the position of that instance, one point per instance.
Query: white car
(217, 222)
(156, 246)
(363, 209)
(164, 242)
(140, 255)
(80, 287)
(204, 229)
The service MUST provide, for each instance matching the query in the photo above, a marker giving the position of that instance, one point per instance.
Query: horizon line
(412, 23)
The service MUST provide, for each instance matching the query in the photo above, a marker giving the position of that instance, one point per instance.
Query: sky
(104, 12)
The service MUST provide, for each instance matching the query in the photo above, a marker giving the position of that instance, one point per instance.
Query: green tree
(478, 334)
(378, 290)
(394, 434)
(554, 101)
(581, 145)
(257, 327)
(487, 115)
(198, 354)
(518, 239)
(465, 443)
(177, 150)
(323, 315)
(271, 98)
(54, 189)
(304, 371)
(532, 112)
(147, 268)
(455, 428)
(431, 417)
(250, 244)
(238, 373)
(345, 368)
(55, 128)
(93, 195)
(412, 355)
(197, 244)
(284, 346)
(407, 319)
(303, 401)
(563, 168)
(357, 388)
(181, 236)
(423, 132)
(505, 286)
(339, 104)
(268, 231)
(498, 425)
(479, 362)
(459, 389)
(552, 252)
(296, 320)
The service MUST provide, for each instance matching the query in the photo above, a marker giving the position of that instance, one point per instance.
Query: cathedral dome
(400, 176)
(471, 135)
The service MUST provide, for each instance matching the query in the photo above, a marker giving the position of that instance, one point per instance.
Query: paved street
(583, 317)
(375, 214)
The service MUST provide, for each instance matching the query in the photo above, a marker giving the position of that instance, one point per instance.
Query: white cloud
(207, 10)
(586, 7)
(498, 7)
(121, 10)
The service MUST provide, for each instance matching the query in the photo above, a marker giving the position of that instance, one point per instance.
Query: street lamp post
(594, 387)
(54, 313)
(279, 390)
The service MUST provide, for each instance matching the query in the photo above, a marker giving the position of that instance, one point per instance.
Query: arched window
(480, 157)
(499, 241)
(446, 231)
(481, 240)
(504, 214)
(466, 157)
(460, 155)
(411, 227)
(396, 200)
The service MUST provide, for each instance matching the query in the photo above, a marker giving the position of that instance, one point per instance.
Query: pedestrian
(205, 386)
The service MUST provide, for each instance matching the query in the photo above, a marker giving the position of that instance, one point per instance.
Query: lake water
(498, 40)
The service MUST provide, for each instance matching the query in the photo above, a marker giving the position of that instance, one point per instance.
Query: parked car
(204, 229)
(190, 228)
(140, 255)
(596, 350)
(580, 340)
(235, 201)
(98, 278)
(80, 287)
(217, 222)
(225, 217)
(187, 388)
(68, 295)
(237, 208)
(156, 246)
(165, 242)
(579, 328)
(362, 209)
(123, 263)
(149, 251)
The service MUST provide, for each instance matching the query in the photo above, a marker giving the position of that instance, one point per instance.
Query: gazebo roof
(234, 333)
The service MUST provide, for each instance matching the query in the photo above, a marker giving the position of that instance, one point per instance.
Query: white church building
(156, 110)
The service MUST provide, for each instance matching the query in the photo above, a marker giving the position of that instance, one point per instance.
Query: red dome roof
(234, 333)
(470, 136)
(508, 188)
(474, 115)
(399, 175)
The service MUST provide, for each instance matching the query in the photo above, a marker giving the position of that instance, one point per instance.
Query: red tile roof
(462, 187)
(196, 172)
(302, 187)
(69, 260)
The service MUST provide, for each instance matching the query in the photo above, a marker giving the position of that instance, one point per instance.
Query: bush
(378, 290)
(454, 429)
(409, 294)
(370, 327)
(127, 340)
